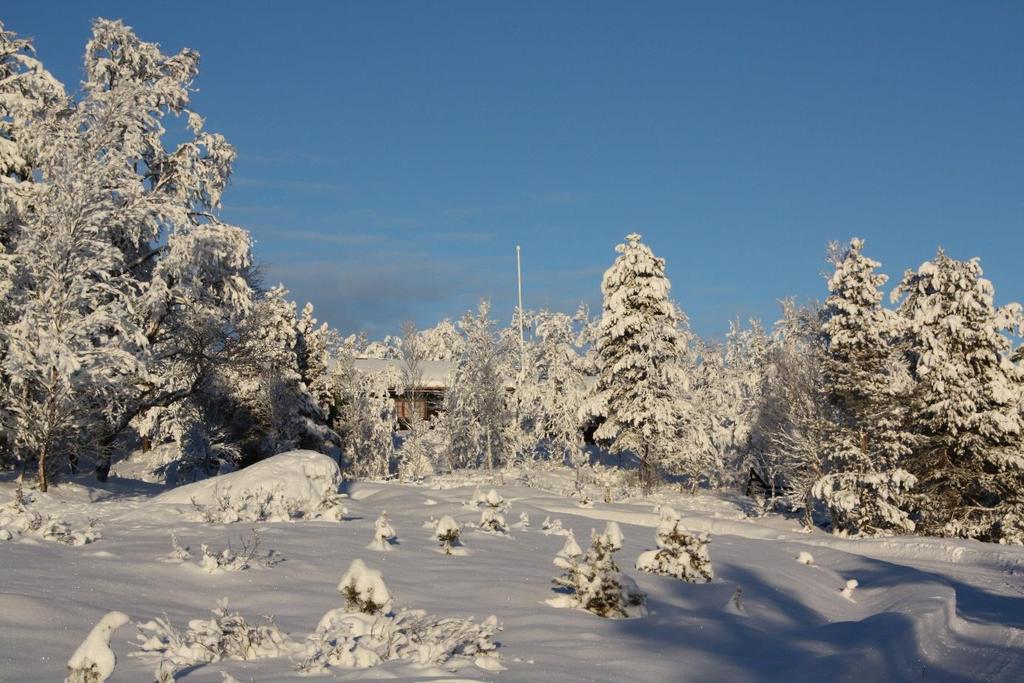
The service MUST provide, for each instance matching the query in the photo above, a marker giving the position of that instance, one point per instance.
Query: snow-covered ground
(923, 608)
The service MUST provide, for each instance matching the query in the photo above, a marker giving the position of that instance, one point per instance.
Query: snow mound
(293, 484)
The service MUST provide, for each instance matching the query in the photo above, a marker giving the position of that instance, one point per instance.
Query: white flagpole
(522, 336)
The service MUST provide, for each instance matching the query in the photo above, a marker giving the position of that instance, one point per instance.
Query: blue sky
(392, 154)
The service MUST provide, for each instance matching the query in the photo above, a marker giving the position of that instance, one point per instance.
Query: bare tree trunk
(43, 464)
(490, 454)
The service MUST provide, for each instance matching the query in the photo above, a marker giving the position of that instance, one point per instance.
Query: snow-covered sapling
(552, 526)
(178, 552)
(679, 554)
(805, 558)
(524, 521)
(383, 533)
(93, 661)
(492, 517)
(476, 499)
(735, 604)
(228, 560)
(447, 533)
(568, 560)
(847, 591)
(596, 584)
(364, 589)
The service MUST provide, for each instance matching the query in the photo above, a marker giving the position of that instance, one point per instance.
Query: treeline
(132, 314)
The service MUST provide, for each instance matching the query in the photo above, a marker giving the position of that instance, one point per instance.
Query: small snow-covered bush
(596, 584)
(383, 533)
(524, 521)
(847, 590)
(867, 504)
(364, 589)
(492, 518)
(366, 632)
(553, 527)
(17, 518)
(679, 554)
(230, 560)
(226, 636)
(447, 532)
(93, 661)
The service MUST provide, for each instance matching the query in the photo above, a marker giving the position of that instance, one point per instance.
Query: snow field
(913, 614)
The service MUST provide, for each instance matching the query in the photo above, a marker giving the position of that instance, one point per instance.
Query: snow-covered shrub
(366, 632)
(383, 533)
(596, 584)
(679, 554)
(364, 589)
(179, 553)
(868, 504)
(847, 590)
(251, 505)
(492, 517)
(61, 531)
(230, 560)
(93, 661)
(805, 558)
(226, 636)
(447, 533)
(18, 518)
(524, 521)
(553, 527)
(735, 604)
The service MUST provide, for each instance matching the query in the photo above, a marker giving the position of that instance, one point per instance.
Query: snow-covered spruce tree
(364, 589)
(492, 517)
(865, 383)
(969, 455)
(568, 560)
(475, 406)
(788, 439)
(383, 533)
(680, 553)
(447, 532)
(641, 383)
(596, 584)
(312, 351)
